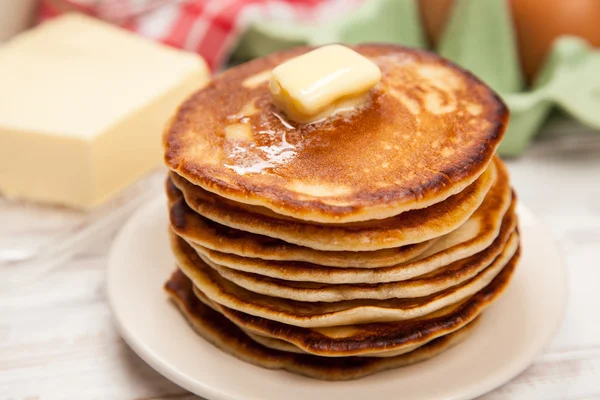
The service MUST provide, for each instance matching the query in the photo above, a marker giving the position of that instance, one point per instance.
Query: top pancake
(429, 131)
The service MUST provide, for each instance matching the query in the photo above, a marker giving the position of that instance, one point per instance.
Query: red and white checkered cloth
(208, 27)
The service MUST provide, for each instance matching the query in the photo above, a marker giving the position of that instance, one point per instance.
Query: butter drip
(323, 82)
(246, 155)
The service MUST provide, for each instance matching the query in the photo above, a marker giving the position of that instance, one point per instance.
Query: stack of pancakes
(369, 240)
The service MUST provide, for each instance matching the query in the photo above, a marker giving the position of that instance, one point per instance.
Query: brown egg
(539, 22)
(434, 14)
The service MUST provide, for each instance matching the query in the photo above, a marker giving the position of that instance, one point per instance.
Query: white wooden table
(58, 341)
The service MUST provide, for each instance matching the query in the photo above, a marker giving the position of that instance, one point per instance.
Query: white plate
(510, 334)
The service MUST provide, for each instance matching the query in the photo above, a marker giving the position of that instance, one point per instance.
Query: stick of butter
(322, 82)
(83, 107)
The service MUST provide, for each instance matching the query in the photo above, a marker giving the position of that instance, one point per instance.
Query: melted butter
(283, 121)
(248, 110)
(241, 131)
(323, 82)
(255, 159)
(238, 132)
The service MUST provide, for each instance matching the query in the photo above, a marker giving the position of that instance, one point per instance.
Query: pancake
(275, 344)
(307, 272)
(404, 229)
(472, 237)
(213, 240)
(278, 344)
(432, 130)
(203, 233)
(304, 314)
(282, 345)
(434, 282)
(364, 339)
(219, 331)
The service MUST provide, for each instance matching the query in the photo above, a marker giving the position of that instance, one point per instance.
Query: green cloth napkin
(391, 21)
(480, 37)
(570, 79)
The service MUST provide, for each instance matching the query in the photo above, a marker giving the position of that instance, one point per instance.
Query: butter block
(319, 83)
(83, 107)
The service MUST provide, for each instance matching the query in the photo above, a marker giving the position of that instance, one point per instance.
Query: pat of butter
(321, 82)
(83, 108)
